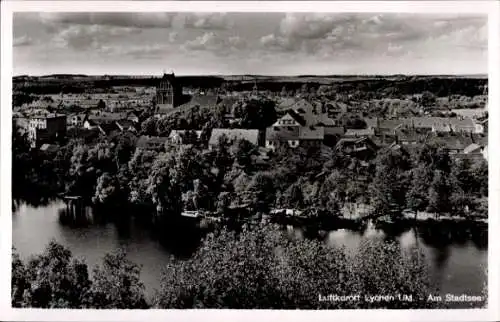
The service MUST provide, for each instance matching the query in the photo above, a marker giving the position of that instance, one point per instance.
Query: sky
(97, 43)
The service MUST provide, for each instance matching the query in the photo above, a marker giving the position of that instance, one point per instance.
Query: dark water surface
(458, 264)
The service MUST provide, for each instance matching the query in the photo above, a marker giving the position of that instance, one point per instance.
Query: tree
(480, 174)
(259, 268)
(417, 195)
(433, 156)
(428, 99)
(294, 197)
(223, 202)
(461, 174)
(243, 152)
(124, 148)
(52, 279)
(283, 92)
(116, 284)
(439, 193)
(261, 192)
(258, 114)
(148, 127)
(107, 191)
(390, 183)
(101, 105)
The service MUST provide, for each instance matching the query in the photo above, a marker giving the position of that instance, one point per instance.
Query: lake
(457, 263)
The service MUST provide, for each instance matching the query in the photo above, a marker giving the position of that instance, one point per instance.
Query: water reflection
(456, 255)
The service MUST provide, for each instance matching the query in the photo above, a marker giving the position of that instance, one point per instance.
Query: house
(399, 148)
(335, 109)
(108, 128)
(133, 116)
(441, 128)
(360, 147)
(232, 135)
(476, 151)
(294, 137)
(473, 148)
(292, 129)
(334, 130)
(89, 124)
(285, 104)
(178, 136)
(156, 143)
(126, 125)
(463, 125)
(481, 126)
(453, 144)
(408, 136)
(49, 148)
(389, 125)
(46, 128)
(92, 121)
(429, 124)
(76, 120)
(304, 124)
(371, 122)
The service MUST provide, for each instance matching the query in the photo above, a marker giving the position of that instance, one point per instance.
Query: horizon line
(251, 75)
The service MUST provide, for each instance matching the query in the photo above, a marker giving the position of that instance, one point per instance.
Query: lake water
(457, 264)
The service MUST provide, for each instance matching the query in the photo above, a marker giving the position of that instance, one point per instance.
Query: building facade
(46, 129)
(168, 93)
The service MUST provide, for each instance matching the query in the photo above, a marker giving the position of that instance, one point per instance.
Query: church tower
(165, 91)
(255, 90)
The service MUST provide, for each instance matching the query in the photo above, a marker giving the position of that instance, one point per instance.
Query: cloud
(236, 42)
(210, 41)
(277, 43)
(472, 36)
(172, 36)
(117, 19)
(22, 41)
(83, 37)
(311, 26)
(327, 35)
(207, 21)
(140, 52)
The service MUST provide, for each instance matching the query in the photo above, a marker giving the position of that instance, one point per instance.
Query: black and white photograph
(283, 160)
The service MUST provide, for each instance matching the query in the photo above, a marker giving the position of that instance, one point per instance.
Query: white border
(489, 7)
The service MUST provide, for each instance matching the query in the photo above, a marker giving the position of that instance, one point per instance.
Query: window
(293, 143)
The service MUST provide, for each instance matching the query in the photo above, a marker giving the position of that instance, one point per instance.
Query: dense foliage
(262, 268)
(56, 279)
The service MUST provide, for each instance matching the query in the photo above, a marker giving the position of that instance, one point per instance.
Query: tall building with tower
(168, 93)
(46, 129)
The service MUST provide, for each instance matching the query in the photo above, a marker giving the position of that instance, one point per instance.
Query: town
(259, 122)
(194, 157)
